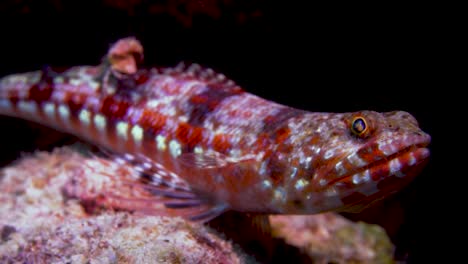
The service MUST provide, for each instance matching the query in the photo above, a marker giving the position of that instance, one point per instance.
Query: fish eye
(359, 126)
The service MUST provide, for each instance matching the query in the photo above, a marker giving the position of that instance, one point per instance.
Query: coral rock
(331, 238)
(40, 224)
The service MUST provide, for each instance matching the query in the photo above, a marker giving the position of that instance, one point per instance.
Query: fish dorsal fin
(204, 74)
(125, 55)
(158, 191)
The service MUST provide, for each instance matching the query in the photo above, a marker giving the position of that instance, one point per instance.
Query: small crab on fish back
(202, 145)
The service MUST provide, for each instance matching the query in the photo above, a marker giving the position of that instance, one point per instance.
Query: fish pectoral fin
(261, 222)
(161, 201)
(155, 190)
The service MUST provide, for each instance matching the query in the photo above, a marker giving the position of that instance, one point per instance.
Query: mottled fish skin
(222, 143)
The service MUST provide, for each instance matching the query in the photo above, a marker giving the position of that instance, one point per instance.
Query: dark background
(337, 59)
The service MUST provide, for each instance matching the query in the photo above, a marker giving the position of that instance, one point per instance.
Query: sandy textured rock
(331, 238)
(40, 224)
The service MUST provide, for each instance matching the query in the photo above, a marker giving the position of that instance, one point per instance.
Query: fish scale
(204, 145)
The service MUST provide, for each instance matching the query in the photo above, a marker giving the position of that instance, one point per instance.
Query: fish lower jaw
(396, 165)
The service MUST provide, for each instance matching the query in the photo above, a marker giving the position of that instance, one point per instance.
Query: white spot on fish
(139, 168)
(64, 112)
(359, 178)
(307, 162)
(340, 169)
(137, 133)
(235, 152)
(152, 103)
(183, 119)
(356, 178)
(27, 107)
(266, 184)
(75, 82)
(85, 117)
(110, 90)
(322, 182)
(300, 184)
(263, 168)
(279, 194)
(317, 150)
(100, 122)
(49, 109)
(163, 173)
(122, 129)
(161, 142)
(412, 159)
(356, 160)
(146, 165)
(220, 77)
(387, 147)
(129, 157)
(175, 148)
(198, 150)
(120, 161)
(58, 80)
(94, 85)
(294, 172)
(159, 166)
(395, 166)
(366, 176)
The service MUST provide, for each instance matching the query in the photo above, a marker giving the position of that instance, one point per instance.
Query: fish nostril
(393, 127)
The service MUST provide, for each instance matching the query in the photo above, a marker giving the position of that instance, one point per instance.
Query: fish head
(350, 160)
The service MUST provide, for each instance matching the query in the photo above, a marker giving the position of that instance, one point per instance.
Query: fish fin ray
(204, 74)
(211, 160)
(196, 209)
(158, 191)
(203, 161)
(261, 222)
(151, 172)
(210, 213)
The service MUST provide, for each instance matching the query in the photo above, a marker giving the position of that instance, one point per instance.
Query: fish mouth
(399, 164)
(379, 179)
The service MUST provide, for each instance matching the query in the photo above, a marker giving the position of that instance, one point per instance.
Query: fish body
(205, 145)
